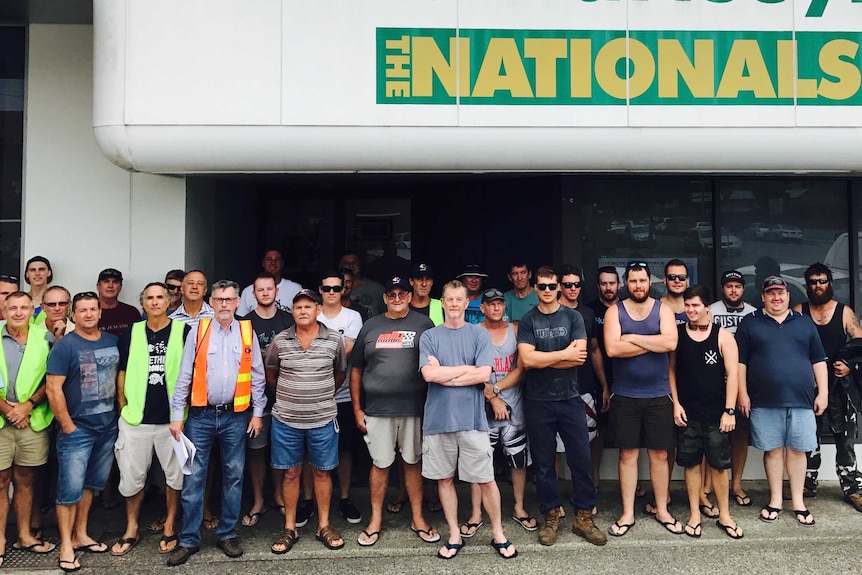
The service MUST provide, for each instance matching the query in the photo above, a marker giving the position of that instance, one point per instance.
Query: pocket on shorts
(335, 424)
(119, 444)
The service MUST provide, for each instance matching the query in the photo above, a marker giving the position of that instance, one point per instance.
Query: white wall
(80, 211)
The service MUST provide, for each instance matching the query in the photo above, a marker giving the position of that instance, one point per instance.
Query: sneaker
(548, 532)
(854, 499)
(304, 511)
(585, 527)
(349, 511)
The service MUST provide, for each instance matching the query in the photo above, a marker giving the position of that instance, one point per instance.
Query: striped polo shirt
(304, 394)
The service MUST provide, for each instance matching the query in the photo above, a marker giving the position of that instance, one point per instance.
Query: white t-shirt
(283, 299)
(729, 320)
(348, 322)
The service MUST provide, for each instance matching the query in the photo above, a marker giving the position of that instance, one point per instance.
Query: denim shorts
(289, 445)
(774, 427)
(84, 458)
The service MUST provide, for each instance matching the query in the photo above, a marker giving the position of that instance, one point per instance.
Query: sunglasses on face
(676, 277)
(173, 287)
(547, 287)
(570, 285)
(815, 281)
(327, 289)
(50, 304)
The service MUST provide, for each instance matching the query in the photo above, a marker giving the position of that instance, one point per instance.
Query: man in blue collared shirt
(217, 421)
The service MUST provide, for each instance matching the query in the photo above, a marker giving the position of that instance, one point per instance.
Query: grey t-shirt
(505, 360)
(387, 351)
(551, 332)
(450, 409)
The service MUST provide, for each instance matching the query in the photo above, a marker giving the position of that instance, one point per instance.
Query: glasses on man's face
(327, 289)
(172, 287)
(676, 277)
(224, 300)
(815, 281)
(570, 285)
(395, 295)
(53, 304)
(547, 287)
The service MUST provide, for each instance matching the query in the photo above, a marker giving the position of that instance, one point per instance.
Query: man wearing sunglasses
(267, 321)
(676, 280)
(836, 324)
(174, 281)
(703, 383)
(348, 323)
(640, 332)
(55, 304)
(552, 343)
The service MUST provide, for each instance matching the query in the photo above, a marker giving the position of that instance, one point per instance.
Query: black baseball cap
(307, 293)
(421, 270)
(111, 273)
(773, 282)
(473, 270)
(732, 276)
(492, 294)
(397, 282)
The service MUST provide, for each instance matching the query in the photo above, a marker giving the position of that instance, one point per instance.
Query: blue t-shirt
(778, 359)
(474, 314)
(90, 369)
(551, 332)
(516, 306)
(450, 409)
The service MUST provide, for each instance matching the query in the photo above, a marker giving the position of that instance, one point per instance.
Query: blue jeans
(84, 459)
(568, 418)
(204, 428)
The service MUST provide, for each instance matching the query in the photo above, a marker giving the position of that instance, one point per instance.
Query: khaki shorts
(386, 434)
(469, 452)
(22, 447)
(134, 452)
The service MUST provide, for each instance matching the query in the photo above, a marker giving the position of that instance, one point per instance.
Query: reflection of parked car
(784, 232)
(620, 227)
(730, 244)
(661, 224)
(698, 241)
(703, 226)
(640, 235)
(755, 231)
(678, 226)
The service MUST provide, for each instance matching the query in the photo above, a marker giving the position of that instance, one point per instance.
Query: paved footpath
(831, 547)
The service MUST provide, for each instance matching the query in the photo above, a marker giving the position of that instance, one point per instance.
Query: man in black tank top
(704, 383)
(836, 323)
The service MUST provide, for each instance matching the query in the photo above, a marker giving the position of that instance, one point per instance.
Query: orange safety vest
(242, 395)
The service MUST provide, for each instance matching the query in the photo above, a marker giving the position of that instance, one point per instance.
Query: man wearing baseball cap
(782, 386)
(117, 317)
(728, 312)
(421, 281)
(305, 363)
(473, 277)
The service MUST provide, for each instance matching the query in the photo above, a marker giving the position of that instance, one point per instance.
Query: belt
(219, 407)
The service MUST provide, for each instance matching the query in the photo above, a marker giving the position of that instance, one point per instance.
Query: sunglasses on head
(327, 289)
(548, 287)
(676, 277)
(492, 293)
(636, 265)
(815, 281)
(8, 278)
(570, 285)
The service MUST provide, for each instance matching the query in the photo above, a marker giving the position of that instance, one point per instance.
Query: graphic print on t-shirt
(503, 365)
(157, 363)
(397, 339)
(98, 379)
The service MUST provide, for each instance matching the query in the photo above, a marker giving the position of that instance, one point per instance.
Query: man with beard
(836, 323)
(422, 280)
(639, 334)
(473, 277)
(608, 282)
(521, 298)
(676, 280)
(273, 263)
(728, 312)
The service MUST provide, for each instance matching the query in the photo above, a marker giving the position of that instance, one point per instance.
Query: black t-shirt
(156, 407)
(551, 332)
(586, 375)
(599, 309)
(266, 330)
(426, 311)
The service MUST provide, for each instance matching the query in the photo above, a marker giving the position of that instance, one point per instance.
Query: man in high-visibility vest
(150, 355)
(222, 373)
(24, 416)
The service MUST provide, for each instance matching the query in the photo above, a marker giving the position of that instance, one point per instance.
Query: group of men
(433, 387)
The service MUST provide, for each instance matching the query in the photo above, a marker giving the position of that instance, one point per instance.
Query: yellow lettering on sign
(805, 87)
(639, 55)
(546, 52)
(397, 66)
(428, 61)
(581, 68)
(834, 56)
(403, 44)
(745, 57)
(502, 53)
(673, 62)
(399, 89)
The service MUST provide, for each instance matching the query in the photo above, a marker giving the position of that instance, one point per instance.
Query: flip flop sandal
(32, 548)
(68, 566)
(526, 521)
(374, 534)
(472, 528)
(95, 547)
(456, 546)
(211, 523)
(419, 532)
(504, 545)
(167, 540)
(769, 511)
(327, 535)
(157, 526)
(803, 514)
(622, 529)
(741, 500)
(668, 525)
(693, 530)
(130, 541)
(251, 519)
(731, 531)
(709, 511)
(394, 506)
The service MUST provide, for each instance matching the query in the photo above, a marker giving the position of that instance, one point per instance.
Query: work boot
(548, 532)
(584, 526)
(854, 499)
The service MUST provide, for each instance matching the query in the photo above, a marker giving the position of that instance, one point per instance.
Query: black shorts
(348, 433)
(642, 422)
(697, 440)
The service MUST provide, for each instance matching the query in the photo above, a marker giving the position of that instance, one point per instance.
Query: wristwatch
(496, 389)
(729, 411)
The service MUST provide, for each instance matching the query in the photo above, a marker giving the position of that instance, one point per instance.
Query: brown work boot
(548, 532)
(584, 526)
(854, 499)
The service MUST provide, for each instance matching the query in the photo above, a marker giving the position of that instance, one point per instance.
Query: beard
(639, 299)
(820, 299)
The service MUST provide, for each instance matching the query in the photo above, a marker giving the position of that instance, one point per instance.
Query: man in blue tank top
(836, 323)
(639, 334)
(704, 384)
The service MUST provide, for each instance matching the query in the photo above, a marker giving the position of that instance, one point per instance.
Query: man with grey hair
(221, 390)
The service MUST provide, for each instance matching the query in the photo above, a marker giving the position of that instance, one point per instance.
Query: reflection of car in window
(641, 235)
(755, 231)
(698, 241)
(784, 232)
